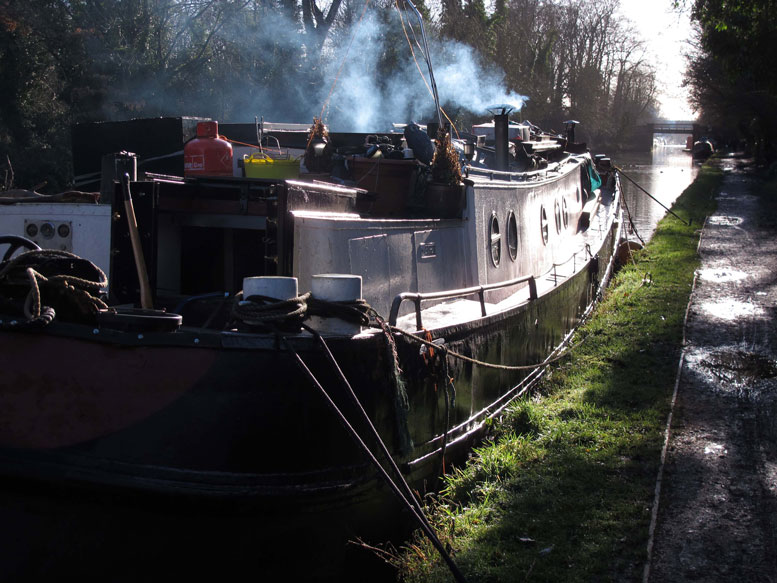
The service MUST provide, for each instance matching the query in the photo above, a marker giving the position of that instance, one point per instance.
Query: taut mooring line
(634, 182)
(409, 501)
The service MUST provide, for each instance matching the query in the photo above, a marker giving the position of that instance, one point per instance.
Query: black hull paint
(222, 436)
(281, 440)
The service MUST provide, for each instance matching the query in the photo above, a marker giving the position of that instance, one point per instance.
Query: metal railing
(481, 290)
(417, 298)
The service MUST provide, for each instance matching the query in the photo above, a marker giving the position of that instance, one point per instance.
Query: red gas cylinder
(207, 154)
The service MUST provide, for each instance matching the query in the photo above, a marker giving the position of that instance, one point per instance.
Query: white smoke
(366, 101)
(347, 85)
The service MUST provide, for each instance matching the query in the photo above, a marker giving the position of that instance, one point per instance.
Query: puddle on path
(729, 309)
(739, 365)
(721, 275)
(734, 371)
(724, 220)
(715, 449)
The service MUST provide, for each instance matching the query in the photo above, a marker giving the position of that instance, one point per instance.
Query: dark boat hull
(233, 415)
(167, 485)
(219, 444)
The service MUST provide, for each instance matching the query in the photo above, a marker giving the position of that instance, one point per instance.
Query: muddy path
(717, 515)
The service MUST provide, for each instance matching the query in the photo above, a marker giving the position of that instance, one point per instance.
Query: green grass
(563, 489)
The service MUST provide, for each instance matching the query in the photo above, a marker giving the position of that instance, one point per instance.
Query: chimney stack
(501, 135)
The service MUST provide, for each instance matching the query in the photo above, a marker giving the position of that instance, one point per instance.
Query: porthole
(495, 240)
(512, 236)
(565, 212)
(557, 215)
(544, 224)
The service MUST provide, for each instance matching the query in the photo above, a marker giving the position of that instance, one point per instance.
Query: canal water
(665, 172)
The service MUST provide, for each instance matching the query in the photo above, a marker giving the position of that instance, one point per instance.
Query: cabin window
(565, 212)
(544, 224)
(577, 194)
(512, 236)
(557, 215)
(495, 240)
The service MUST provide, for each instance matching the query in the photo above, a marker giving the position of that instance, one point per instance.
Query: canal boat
(702, 149)
(252, 331)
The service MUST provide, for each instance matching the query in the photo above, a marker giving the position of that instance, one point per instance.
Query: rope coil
(259, 310)
(48, 281)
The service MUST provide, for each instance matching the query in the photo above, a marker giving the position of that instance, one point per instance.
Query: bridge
(673, 127)
(643, 134)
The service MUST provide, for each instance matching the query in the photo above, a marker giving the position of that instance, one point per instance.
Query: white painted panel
(440, 260)
(369, 258)
(90, 226)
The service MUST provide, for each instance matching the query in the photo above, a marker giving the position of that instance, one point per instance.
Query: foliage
(731, 74)
(573, 59)
(563, 490)
(69, 61)
(45, 82)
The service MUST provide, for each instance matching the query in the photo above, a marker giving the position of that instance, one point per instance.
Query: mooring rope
(259, 310)
(57, 277)
(355, 311)
(398, 484)
(268, 310)
(635, 183)
(482, 363)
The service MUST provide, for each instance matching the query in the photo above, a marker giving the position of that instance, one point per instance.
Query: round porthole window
(544, 224)
(512, 236)
(565, 212)
(557, 216)
(495, 240)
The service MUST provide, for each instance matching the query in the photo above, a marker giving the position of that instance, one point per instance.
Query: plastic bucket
(263, 166)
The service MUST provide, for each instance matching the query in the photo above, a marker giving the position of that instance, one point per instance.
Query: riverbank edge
(563, 489)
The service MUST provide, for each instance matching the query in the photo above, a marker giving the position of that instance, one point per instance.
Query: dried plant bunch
(321, 160)
(445, 165)
(318, 130)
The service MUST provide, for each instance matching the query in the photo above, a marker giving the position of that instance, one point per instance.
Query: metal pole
(428, 62)
(146, 301)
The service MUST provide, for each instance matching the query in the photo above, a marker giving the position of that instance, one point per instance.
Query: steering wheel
(15, 242)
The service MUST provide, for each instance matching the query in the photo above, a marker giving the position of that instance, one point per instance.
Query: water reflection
(664, 172)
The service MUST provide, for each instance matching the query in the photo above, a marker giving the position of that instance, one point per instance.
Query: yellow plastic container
(261, 165)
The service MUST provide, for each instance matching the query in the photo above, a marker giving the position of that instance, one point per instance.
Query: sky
(667, 34)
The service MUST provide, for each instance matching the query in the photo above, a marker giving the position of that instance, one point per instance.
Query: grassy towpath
(563, 489)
